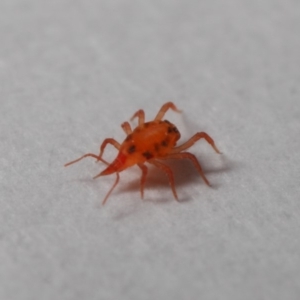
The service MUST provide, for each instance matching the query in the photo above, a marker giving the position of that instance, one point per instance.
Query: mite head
(116, 166)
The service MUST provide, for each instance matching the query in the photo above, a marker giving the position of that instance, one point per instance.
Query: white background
(72, 71)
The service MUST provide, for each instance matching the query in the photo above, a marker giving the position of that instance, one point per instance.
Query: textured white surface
(72, 71)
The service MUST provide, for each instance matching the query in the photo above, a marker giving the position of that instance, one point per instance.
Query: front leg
(98, 157)
(108, 141)
(87, 155)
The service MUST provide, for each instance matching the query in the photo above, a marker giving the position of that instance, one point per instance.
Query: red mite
(149, 142)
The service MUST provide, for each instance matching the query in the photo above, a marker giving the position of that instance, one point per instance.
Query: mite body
(150, 142)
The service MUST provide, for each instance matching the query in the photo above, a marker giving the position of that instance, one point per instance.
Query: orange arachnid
(150, 142)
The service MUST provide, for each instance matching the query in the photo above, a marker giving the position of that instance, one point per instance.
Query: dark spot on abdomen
(172, 129)
(165, 143)
(147, 154)
(175, 130)
(131, 149)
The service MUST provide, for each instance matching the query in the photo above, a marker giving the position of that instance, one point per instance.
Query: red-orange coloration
(149, 142)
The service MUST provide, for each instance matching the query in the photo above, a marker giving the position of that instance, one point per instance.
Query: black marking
(175, 130)
(165, 143)
(147, 154)
(172, 128)
(131, 149)
(166, 121)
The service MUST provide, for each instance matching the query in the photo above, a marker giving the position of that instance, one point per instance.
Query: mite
(150, 142)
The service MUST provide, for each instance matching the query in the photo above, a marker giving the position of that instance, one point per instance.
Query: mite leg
(111, 189)
(140, 114)
(169, 173)
(87, 155)
(98, 157)
(102, 147)
(127, 128)
(108, 141)
(164, 109)
(193, 159)
(193, 140)
(143, 178)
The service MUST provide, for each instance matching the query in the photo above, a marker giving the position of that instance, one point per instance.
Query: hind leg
(193, 140)
(168, 172)
(193, 159)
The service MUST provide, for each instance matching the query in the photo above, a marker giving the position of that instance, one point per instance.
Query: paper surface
(72, 72)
